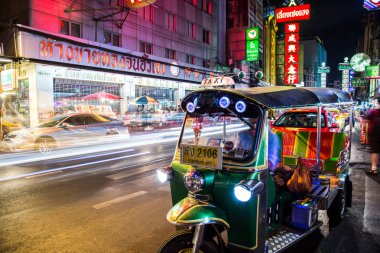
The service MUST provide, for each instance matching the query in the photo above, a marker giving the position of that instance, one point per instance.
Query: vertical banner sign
(291, 53)
(252, 44)
(345, 80)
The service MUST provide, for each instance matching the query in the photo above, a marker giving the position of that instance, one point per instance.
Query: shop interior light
(5, 60)
(165, 174)
(240, 106)
(247, 189)
(224, 102)
(190, 107)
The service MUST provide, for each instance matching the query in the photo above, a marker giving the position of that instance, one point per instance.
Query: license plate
(202, 156)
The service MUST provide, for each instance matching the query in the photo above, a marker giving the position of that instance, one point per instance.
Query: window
(191, 29)
(207, 6)
(194, 2)
(206, 63)
(190, 59)
(146, 48)
(170, 21)
(206, 37)
(147, 13)
(112, 39)
(69, 28)
(170, 54)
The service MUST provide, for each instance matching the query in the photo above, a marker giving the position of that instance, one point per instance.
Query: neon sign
(301, 12)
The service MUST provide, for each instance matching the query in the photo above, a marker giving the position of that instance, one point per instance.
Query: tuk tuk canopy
(278, 97)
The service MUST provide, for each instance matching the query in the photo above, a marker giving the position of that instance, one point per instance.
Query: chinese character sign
(292, 28)
(291, 49)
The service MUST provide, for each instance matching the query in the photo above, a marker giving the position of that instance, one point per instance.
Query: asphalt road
(114, 203)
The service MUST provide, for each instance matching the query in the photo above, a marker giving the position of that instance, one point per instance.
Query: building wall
(46, 15)
(243, 14)
(314, 54)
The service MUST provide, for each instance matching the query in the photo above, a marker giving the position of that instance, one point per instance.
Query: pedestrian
(374, 136)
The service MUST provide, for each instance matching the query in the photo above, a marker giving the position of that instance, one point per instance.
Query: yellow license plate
(202, 156)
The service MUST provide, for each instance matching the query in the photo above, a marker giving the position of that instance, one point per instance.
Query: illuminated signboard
(372, 72)
(371, 4)
(291, 48)
(359, 82)
(292, 28)
(136, 4)
(252, 44)
(291, 79)
(292, 38)
(252, 33)
(291, 58)
(252, 50)
(7, 79)
(301, 12)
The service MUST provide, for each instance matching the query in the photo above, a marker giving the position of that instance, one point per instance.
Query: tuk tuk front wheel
(181, 242)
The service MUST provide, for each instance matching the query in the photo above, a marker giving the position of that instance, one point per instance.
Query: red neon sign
(292, 28)
(291, 48)
(291, 58)
(301, 12)
(291, 69)
(291, 79)
(292, 38)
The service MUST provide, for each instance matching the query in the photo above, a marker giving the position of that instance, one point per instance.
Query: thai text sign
(372, 71)
(344, 66)
(359, 82)
(203, 156)
(301, 12)
(38, 47)
(252, 50)
(252, 44)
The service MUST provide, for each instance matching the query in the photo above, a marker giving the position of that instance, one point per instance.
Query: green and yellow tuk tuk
(223, 177)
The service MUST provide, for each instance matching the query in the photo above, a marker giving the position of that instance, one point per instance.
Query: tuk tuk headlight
(247, 189)
(165, 174)
(194, 181)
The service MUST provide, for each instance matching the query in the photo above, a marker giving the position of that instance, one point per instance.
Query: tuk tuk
(223, 174)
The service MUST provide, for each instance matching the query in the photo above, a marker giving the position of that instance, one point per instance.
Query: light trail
(29, 175)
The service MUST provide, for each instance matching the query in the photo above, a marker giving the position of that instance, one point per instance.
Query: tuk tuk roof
(288, 97)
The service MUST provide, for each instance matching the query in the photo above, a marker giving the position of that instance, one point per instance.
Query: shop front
(61, 77)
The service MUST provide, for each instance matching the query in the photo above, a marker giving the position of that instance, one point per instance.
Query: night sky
(338, 24)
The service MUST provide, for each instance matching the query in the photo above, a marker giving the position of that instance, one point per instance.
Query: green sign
(323, 70)
(372, 71)
(359, 82)
(252, 34)
(344, 66)
(252, 50)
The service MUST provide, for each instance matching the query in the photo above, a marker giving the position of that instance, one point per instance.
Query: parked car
(62, 131)
(306, 119)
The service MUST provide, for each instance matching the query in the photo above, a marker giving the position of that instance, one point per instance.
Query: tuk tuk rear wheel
(338, 207)
(181, 242)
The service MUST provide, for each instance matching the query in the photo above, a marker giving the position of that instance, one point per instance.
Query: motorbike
(229, 189)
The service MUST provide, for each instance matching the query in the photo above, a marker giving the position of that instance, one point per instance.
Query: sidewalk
(361, 158)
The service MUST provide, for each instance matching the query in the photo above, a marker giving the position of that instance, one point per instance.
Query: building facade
(313, 54)
(243, 14)
(63, 51)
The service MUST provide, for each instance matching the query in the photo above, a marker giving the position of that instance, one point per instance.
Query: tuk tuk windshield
(237, 137)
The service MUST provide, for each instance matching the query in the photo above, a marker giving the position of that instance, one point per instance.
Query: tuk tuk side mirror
(247, 189)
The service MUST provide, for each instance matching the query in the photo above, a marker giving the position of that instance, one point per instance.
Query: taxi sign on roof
(218, 81)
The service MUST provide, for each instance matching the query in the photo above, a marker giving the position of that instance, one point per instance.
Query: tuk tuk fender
(190, 212)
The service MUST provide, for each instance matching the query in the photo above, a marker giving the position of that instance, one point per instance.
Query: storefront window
(70, 96)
